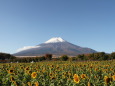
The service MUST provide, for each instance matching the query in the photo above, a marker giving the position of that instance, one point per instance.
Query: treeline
(4, 56)
(48, 57)
(82, 57)
(96, 56)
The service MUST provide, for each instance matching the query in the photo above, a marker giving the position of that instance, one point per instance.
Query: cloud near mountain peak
(27, 47)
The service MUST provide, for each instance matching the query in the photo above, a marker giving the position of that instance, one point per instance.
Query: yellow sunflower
(52, 78)
(76, 78)
(113, 77)
(83, 76)
(12, 78)
(107, 79)
(15, 83)
(89, 84)
(27, 68)
(34, 75)
(36, 84)
(11, 71)
(29, 84)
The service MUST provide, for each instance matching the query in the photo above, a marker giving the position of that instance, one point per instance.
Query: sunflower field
(58, 73)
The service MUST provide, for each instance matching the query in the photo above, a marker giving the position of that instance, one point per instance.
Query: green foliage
(48, 56)
(82, 57)
(4, 56)
(41, 58)
(64, 58)
(94, 56)
(58, 73)
(28, 59)
(72, 59)
(112, 56)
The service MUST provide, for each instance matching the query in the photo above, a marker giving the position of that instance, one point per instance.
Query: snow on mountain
(27, 47)
(52, 40)
(55, 40)
(56, 46)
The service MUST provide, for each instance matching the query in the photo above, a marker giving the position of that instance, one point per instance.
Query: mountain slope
(55, 46)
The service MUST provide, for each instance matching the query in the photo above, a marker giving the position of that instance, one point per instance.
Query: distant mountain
(56, 46)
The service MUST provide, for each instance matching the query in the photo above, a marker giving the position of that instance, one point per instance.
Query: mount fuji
(56, 46)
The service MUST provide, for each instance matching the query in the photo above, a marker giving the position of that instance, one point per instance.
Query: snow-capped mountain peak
(55, 40)
(56, 46)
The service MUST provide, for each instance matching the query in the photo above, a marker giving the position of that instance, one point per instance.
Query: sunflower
(15, 83)
(36, 84)
(12, 78)
(27, 68)
(34, 75)
(76, 78)
(88, 84)
(52, 78)
(29, 72)
(83, 76)
(29, 84)
(107, 79)
(50, 74)
(11, 71)
(113, 77)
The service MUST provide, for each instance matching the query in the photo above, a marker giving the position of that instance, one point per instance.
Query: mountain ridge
(56, 46)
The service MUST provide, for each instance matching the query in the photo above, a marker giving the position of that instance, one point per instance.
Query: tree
(4, 56)
(64, 58)
(48, 56)
(72, 59)
(103, 56)
(81, 57)
(112, 55)
(41, 58)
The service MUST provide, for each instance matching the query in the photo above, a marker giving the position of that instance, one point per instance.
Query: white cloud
(26, 48)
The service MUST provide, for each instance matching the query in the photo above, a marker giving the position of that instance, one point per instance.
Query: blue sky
(87, 23)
